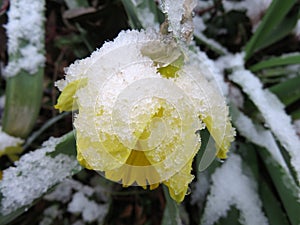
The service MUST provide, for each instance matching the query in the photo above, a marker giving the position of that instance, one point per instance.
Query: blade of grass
(286, 188)
(277, 61)
(271, 21)
(288, 91)
(130, 9)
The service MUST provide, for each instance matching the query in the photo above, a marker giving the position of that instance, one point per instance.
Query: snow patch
(90, 210)
(33, 175)
(25, 31)
(231, 187)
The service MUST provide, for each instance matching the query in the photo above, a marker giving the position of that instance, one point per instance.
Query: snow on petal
(139, 113)
(273, 112)
(231, 187)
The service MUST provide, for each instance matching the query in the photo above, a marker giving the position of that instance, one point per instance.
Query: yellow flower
(10, 146)
(140, 101)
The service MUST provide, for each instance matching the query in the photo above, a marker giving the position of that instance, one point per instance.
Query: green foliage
(274, 26)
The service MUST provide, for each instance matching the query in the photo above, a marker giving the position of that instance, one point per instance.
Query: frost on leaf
(273, 112)
(33, 175)
(231, 187)
(25, 31)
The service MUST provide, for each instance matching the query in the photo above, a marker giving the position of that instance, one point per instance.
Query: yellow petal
(136, 169)
(178, 184)
(66, 100)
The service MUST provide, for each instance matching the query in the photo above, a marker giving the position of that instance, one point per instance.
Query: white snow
(89, 209)
(25, 31)
(273, 112)
(199, 27)
(297, 126)
(8, 141)
(179, 14)
(33, 175)
(231, 187)
(258, 135)
(200, 188)
(63, 192)
(50, 214)
(296, 30)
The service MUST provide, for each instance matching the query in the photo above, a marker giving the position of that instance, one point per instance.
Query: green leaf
(287, 190)
(277, 61)
(288, 91)
(171, 213)
(134, 21)
(274, 26)
(135, 12)
(67, 146)
(271, 205)
(22, 105)
(296, 114)
(231, 217)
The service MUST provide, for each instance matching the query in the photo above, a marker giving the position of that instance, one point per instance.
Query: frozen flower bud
(141, 100)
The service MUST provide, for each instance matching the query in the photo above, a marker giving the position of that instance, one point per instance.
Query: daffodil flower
(141, 100)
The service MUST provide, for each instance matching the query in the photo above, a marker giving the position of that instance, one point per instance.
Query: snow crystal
(63, 192)
(180, 17)
(33, 175)
(273, 112)
(25, 31)
(90, 210)
(8, 141)
(233, 188)
(235, 61)
(259, 136)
